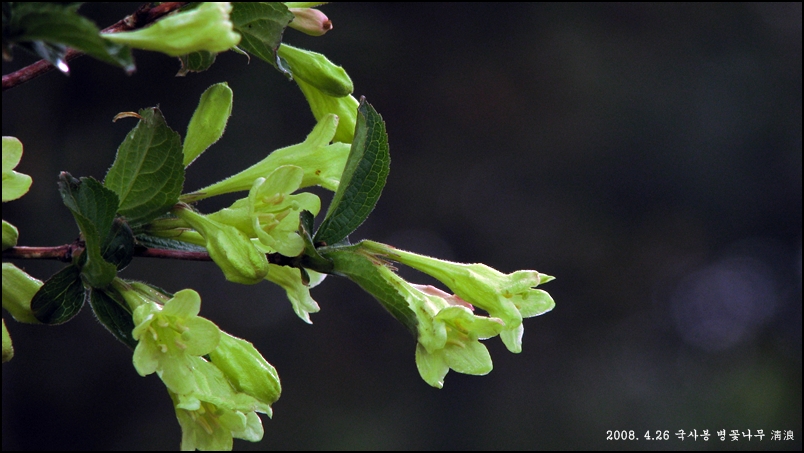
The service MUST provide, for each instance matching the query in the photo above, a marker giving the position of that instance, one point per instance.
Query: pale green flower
(171, 337)
(323, 104)
(509, 297)
(271, 212)
(448, 334)
(322, 162)
(206, 27)
(15, 184)
(326, 87)
(247, 370)
(298, 293)
(228, 247)
(212, 412)
(18, 290)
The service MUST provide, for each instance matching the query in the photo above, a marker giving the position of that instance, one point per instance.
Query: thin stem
(61, 252)
(140, 18)
(66, 252)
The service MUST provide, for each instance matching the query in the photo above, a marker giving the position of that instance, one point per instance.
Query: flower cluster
(216, 400)
(446, 326)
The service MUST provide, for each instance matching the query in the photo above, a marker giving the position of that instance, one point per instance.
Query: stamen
(204, 424)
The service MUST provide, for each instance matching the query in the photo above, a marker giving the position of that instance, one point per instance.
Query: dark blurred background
(647, 155)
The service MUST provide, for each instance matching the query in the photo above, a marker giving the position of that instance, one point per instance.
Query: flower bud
(310, 21)
(246, 369)
(322, 162)
(229, 247)
(18, 290)
(316, 69)
(206, 27)
(208, 122)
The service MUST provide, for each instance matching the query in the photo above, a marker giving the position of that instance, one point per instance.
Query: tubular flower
(509, 297)
(323, 104)
(271, 213)
(446, 329)
(171, 337)
(449, 335)
(206, 27)
(212, 412)
(229, 248)
(322, 162)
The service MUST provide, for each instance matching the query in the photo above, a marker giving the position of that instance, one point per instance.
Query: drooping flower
(322, 162)
(212, 412)
(271, 211)
(228, 247)
(171, 337)
(206, 27)
(510, 297)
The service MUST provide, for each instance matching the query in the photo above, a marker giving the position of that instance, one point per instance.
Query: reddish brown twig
(140, 18)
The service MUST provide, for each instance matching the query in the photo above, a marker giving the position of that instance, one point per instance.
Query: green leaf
(155, 242)
(113, 315)
(366, 270)
(363, 178)
(48, 29)
(147, 173)
(261, 25)
(196, 62)
(60, 298)
(93, 207)
(118, 248)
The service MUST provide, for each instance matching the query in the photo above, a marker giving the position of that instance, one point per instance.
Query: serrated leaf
(364, 270)
(363, 178)
(49, 28)
(93, 207)
(114, 316)
(261, 25)
(147, 173)
(196, 62)
(60, 298)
